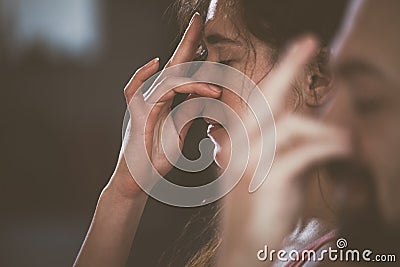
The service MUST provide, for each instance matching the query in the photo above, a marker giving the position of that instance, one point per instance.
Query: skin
(368, 70)
(368, 104)
(122, 201)
(232, 46)
(225, 45)
(276, 209)
(366, 109)
(281, 196)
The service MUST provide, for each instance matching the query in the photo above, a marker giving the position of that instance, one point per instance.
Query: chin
(218, 160)
(221, 156)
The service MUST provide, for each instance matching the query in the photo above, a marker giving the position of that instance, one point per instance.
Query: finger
(189, 44)
(285, 188)
(167, 88)
(183, 132)
(274, 87)
(292, 132)
(288, 168)
(276, 84)
(295, 129)
(140, 76)
(185, 50)
(185, 114)
(199, 89)
(306, 156)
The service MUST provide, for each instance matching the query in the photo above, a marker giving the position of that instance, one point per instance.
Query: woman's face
(245, 53)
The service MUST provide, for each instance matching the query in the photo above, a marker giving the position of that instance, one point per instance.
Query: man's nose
(342, 115)
(341, 112)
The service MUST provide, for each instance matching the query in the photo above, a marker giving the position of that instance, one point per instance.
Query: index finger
(189, 44)
(268, 98)
(276, 84)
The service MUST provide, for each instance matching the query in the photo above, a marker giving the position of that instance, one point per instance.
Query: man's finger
(277, 83)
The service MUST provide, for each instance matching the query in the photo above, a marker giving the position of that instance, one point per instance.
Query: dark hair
(275, 22)
(278, 21)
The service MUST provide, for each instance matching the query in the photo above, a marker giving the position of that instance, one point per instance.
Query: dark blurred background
(63, 67)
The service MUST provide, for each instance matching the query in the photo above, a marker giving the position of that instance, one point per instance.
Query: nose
(341, 112)
(212, 54)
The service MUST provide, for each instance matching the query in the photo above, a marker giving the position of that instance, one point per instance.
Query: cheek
(234, 101)
(379, 142)
(381, 151)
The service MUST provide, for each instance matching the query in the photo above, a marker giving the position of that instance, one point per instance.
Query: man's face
(367, 63)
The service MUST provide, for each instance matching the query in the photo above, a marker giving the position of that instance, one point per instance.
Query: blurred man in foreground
(367, 65)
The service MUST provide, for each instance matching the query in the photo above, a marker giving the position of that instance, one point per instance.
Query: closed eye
(226, 62)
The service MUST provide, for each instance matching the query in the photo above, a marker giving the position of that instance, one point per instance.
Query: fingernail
(192, 19)
(304, 41)
(215, 88)
(152, 62)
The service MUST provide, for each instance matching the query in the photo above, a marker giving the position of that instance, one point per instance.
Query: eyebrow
(220, 39)
(356, 67)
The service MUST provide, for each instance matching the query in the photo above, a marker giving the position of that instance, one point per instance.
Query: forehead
(370, 34)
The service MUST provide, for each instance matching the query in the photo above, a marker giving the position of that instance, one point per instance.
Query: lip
(211, 122)
(212, 126)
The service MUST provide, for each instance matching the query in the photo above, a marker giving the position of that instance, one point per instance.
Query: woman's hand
(122, 202)
(146, 130)
(267, 216)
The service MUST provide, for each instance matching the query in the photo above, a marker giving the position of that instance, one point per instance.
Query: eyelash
(226, 62)
(202, 54)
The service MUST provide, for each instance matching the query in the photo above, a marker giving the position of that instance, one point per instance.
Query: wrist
(122, 193)
(123, 186)
(122, 183)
